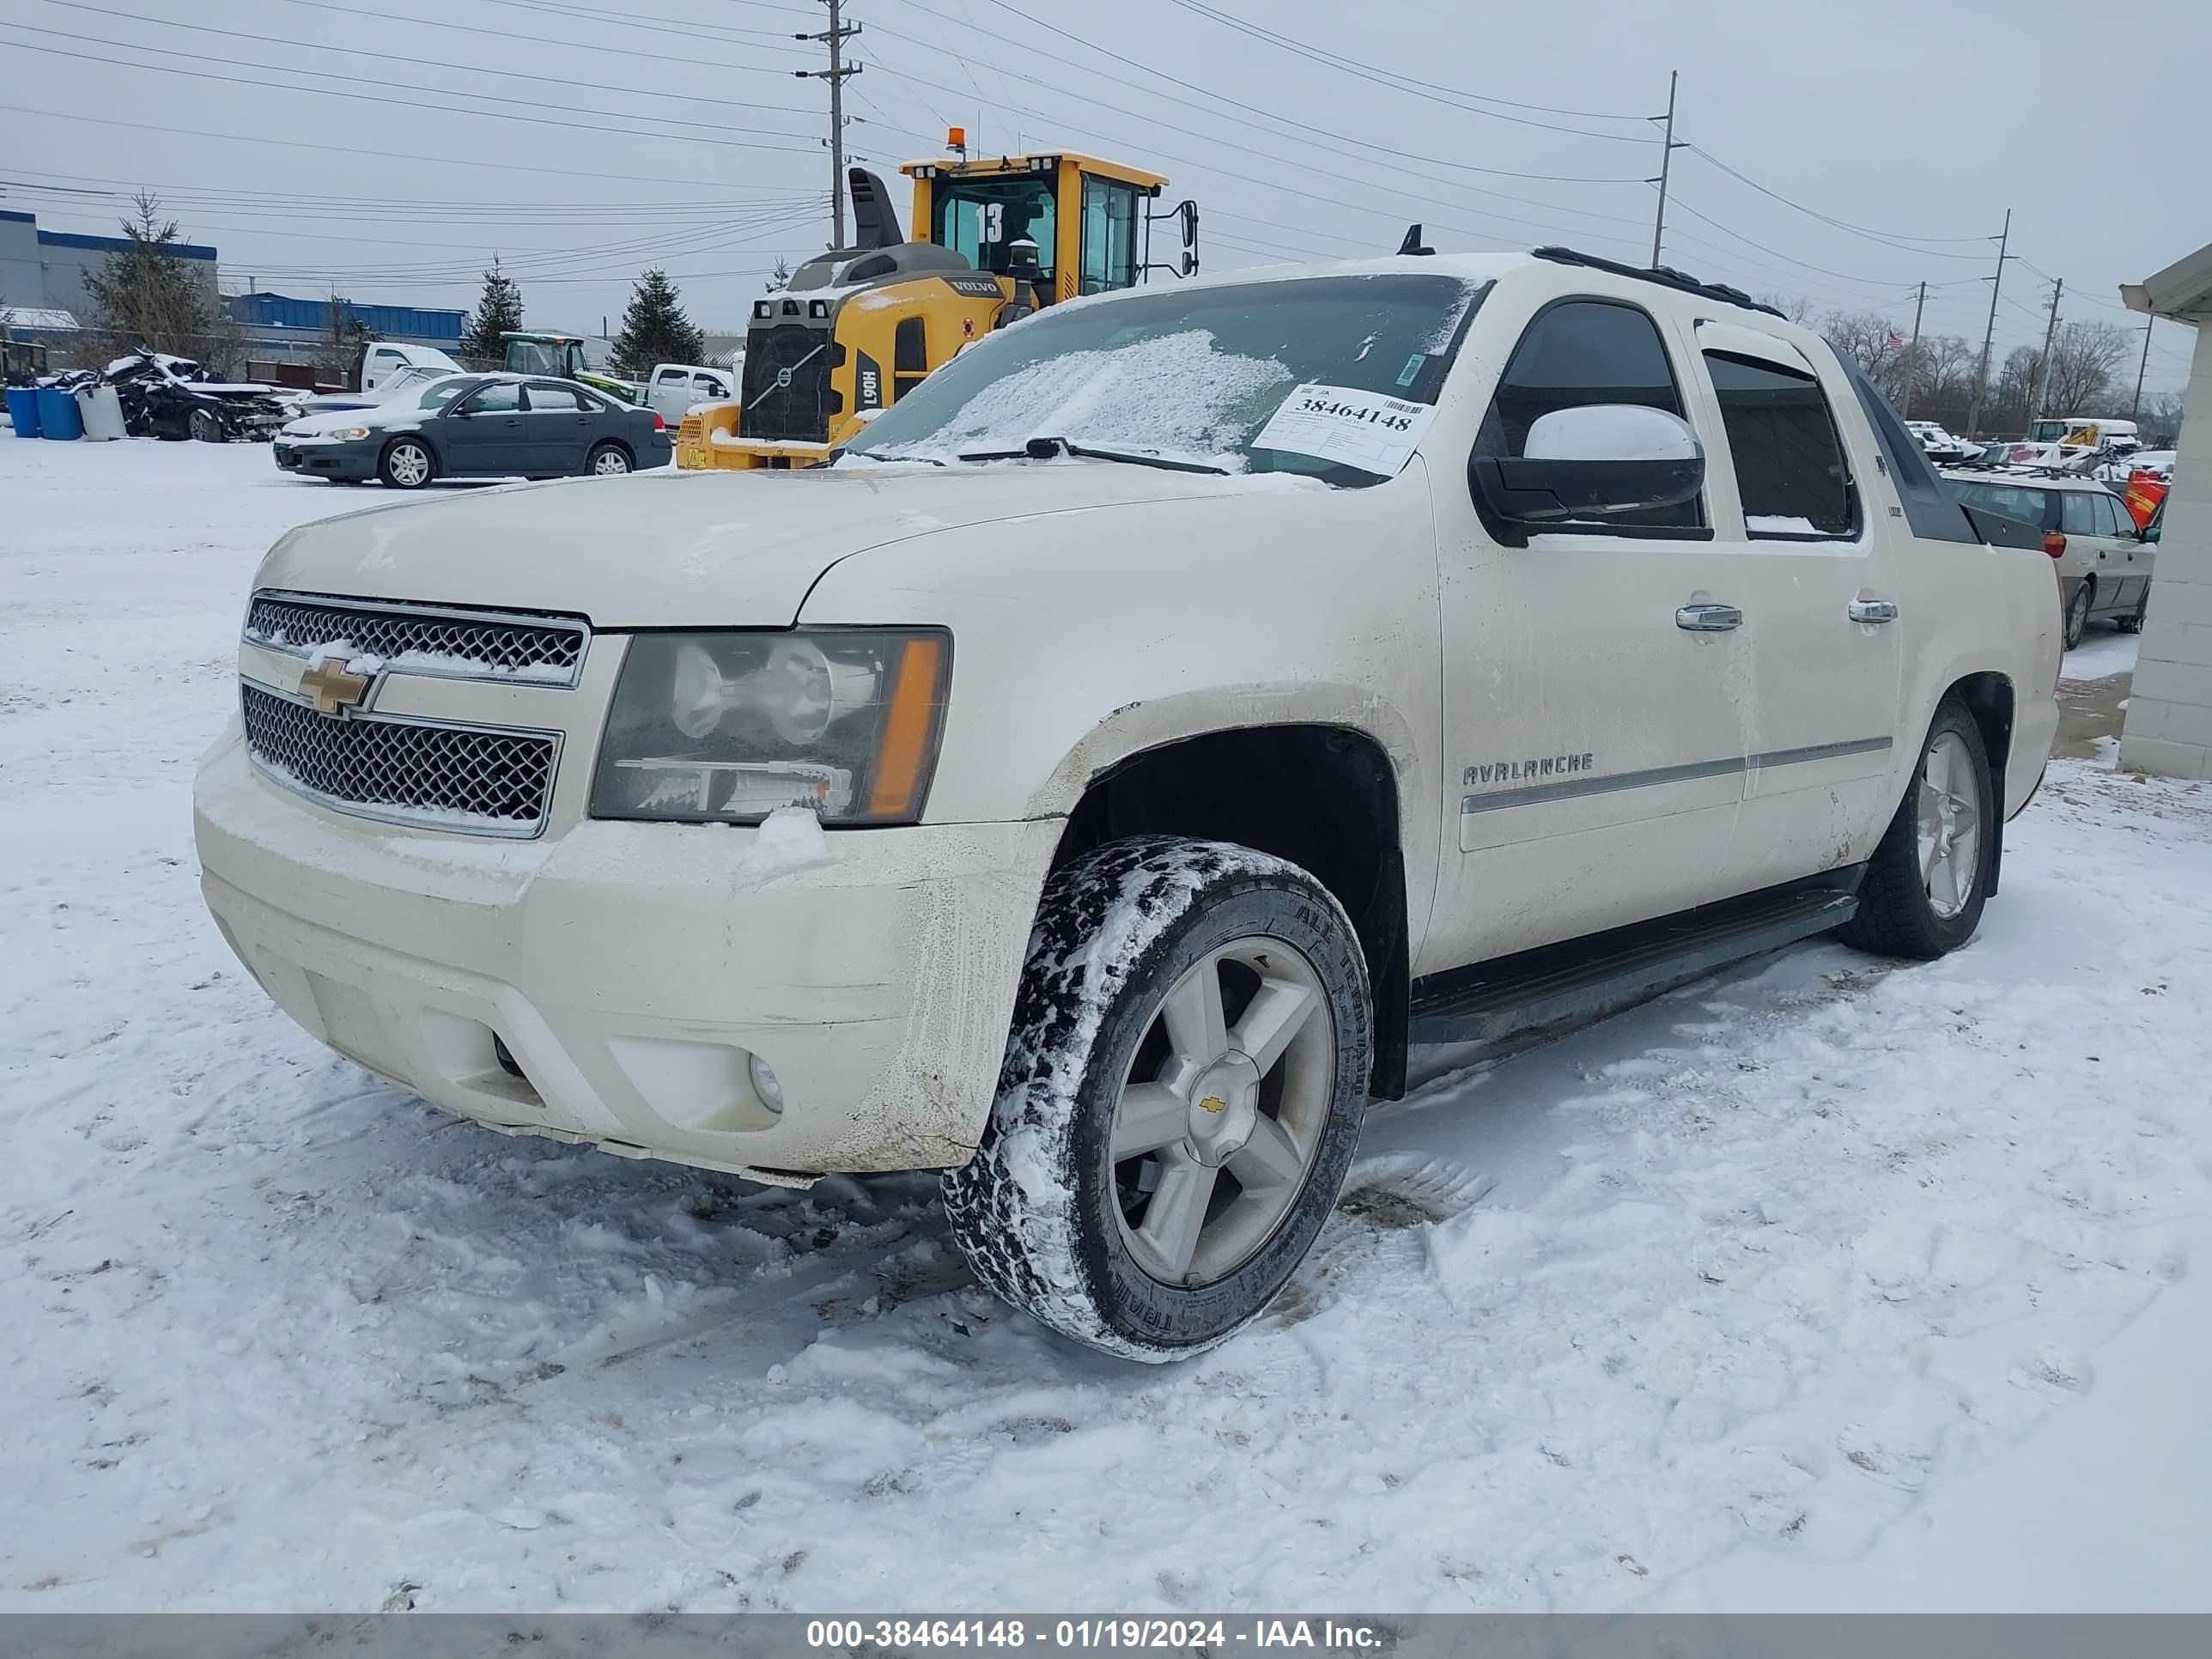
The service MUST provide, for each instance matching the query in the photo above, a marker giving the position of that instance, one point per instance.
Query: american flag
(1894, 342)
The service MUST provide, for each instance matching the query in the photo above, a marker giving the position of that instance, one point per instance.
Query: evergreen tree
(147, 295)
(498, 311)
(781, 275)
(344, 336)
(654, 330)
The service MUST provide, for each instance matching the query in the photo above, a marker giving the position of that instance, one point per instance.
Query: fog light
(765, 1085)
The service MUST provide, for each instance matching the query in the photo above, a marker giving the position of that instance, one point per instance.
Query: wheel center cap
(1224, 1107)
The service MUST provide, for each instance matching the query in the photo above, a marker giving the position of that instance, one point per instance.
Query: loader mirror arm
(1185, 214)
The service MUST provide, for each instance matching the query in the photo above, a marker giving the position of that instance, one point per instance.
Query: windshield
(983, 217)
(1203, 376)
(535, 357)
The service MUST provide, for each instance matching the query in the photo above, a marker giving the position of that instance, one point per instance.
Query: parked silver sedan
(476, 426)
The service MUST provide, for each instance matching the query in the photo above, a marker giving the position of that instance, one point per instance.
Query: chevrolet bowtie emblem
(1213, 1103)
(331, 687)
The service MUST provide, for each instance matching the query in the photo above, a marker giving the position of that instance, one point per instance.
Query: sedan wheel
(207, 427)
(407, 464)
(2077, 615)
(608, 461)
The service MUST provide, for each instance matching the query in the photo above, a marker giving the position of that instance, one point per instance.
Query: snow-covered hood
(709, 548)
(375, 415)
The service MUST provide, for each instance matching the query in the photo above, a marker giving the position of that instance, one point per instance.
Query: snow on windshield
(1177, 395)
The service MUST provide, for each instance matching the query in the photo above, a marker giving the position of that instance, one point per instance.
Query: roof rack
(1665, 275)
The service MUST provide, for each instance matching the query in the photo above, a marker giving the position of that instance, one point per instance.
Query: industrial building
(45, 270)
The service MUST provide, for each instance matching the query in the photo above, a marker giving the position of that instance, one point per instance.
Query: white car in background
(674, 388)
(1943, 448)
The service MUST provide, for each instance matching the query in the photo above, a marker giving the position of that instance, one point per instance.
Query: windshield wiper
(885, 457)
(1043, 449)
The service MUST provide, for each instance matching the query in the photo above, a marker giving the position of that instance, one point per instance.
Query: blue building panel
(407, 322)
(116, 244)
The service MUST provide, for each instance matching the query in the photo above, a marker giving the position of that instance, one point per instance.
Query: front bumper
(630, 971)
(353, 460)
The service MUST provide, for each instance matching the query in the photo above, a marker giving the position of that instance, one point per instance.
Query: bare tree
(2158, 420)
(1795, 307)
(2084, 360)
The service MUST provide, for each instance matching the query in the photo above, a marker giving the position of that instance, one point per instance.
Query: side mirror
(1590, 462)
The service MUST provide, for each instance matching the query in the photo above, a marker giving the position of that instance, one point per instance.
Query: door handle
(1871, 611)
(1708, 619)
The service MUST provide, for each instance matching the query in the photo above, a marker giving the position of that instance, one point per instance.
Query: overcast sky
(583, 142)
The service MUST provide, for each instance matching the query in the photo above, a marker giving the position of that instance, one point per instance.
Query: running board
(1519, 1000)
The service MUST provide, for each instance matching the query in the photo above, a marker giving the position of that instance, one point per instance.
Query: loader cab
(559, 354)
(1088, 217)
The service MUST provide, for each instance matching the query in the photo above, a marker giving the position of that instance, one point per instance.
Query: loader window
(983, 217)
(1110, 235)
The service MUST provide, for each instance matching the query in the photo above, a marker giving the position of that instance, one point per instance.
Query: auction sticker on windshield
(1341, 423)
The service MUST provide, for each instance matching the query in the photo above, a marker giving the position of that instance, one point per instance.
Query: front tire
(608, 460)
(1181, 1098)
(406, 463)
(1925, 886)
(206, 426)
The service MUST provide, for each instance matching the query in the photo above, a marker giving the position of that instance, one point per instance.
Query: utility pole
(837, 75)
(2043, 364)
(2143, 369)
(1666, 159)
(1912, 353)
(1989, 335)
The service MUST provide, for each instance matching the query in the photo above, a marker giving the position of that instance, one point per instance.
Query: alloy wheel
(1950, 824)
(608, 463)
(1223, 1111)
(410, 465)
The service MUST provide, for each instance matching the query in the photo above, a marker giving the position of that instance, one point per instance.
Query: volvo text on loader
(857, 327)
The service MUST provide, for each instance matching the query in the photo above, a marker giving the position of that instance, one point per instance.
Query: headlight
(726, 728)
(352, 432)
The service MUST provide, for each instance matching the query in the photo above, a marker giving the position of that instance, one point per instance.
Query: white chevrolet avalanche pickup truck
(1093, 782)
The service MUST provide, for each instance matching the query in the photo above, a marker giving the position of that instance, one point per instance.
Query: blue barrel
(23, 410)
(58, 414)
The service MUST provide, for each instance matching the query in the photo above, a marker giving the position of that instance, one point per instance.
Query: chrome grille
(475, 780)
(422, 639)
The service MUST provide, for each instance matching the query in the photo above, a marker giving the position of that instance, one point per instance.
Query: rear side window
(2077, 513)
(1790, 464)
(2013, 501)
(1580, 352)
(559, 398)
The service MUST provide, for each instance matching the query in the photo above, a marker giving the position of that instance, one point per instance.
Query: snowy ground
(1827, 1284)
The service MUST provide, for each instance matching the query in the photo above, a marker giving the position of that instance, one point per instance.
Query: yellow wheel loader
(858, 327)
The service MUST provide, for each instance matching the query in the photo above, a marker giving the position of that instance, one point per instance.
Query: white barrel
(102, 412)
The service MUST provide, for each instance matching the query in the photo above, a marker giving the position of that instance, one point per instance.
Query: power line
(406, 103)
(507, 37)
(354, 150)
(1436, 92)
(1213, 101)
(388, 56)
(1268, 184)
(1896, 241)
